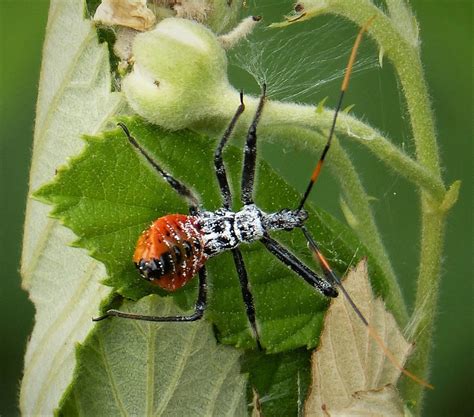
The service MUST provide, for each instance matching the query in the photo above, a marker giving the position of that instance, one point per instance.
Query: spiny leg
(219, 163)
(250, 153)
(178, 186)
(290, 260)
(345, 84)
(246, 294)
(199, 309)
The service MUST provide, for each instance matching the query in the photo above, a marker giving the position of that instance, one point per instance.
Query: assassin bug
(176, 246)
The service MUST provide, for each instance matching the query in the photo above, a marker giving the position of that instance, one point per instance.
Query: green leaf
(279, 382)
(109, 194)
(150, 369)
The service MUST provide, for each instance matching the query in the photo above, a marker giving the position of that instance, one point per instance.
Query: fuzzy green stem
(420, 329)
(278, 113)
(393, 157)
(433, 224)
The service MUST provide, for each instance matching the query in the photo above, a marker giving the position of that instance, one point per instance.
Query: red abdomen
(170, 252)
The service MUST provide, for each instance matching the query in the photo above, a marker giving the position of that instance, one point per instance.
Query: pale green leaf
(63, 283)
(131, 368)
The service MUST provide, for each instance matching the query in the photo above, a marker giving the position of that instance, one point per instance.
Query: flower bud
(179, 76)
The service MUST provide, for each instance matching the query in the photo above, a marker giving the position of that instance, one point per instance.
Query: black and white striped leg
(290, 260)
(199, 309)
(219, 163)
(250, 154)
(246, 294)
(178, 186)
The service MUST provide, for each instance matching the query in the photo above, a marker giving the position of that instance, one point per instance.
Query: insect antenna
(334, 279)
(344, 86)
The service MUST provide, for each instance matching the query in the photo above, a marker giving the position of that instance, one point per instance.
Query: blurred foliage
(446, 33)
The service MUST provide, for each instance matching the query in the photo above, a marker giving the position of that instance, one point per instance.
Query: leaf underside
(108, 195)
(62, 282)
(149, 369)
(278, 383)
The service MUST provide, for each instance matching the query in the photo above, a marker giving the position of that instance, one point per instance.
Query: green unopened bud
(179, 76)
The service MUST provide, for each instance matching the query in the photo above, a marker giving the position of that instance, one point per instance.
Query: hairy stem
(433, 222)
(348, 126)
(420, 328)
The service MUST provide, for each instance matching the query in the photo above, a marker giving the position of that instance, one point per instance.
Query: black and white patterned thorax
(223, 229)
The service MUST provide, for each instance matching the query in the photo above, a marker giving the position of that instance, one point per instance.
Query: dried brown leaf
(351, 376)
(256, 409)
(129, 13)
(375, 403)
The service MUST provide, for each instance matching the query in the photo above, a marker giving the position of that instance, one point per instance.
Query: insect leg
(246, 294)
(201, 305)
(344, 86)
(178, 186)
(290, 260)
(250, 154)
(329, 273)
(219, 163)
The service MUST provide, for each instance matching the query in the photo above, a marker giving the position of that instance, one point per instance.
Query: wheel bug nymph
(176, 246)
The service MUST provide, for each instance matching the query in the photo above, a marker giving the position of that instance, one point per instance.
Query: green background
(446, 33)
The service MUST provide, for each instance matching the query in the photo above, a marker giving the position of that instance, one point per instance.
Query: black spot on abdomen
(167, 263)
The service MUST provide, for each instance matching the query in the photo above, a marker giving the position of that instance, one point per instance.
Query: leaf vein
(108, 370)
(219, 382)
(174, 382)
